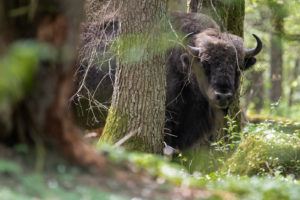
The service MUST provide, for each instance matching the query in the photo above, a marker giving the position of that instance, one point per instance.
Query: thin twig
(125, 138)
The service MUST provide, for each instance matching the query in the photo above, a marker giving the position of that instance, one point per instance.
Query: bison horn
(194, 48)
(253, 52)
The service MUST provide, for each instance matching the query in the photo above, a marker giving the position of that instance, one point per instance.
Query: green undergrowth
(241, 187)
(257, 188)
(266, 150)
(37, 187)
(262, 162)
(209, 159)
(17, 183)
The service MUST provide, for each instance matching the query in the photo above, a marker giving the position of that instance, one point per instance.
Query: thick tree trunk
(229, 15)
(138, 102)
(42, 115)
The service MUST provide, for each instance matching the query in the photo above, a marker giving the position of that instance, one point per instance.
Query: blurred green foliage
(133, 48)
(17, 70)
(17, 182)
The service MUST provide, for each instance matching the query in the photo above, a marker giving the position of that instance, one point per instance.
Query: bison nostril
(223, 96)
(228, 96)
(218, 96)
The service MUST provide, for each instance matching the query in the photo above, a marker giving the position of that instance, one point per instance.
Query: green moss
(115, 123)
(116, 129)
(266, 152)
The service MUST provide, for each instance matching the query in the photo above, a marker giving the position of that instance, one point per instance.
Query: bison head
(218, 58)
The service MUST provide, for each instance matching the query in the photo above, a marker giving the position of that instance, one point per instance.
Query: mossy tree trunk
(229, 14)
(138, 102)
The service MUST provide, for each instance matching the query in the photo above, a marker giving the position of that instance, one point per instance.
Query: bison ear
(185, 63)
(249, 62)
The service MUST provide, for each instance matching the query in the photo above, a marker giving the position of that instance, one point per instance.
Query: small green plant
(229, 137)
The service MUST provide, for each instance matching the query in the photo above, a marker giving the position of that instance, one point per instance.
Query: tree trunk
(258, 80)
(294, 76)
(255, 91)
(41, 115)
(276, 61)
(138, 102)
(229, 14)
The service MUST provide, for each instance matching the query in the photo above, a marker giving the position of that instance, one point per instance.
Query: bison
(202, 78)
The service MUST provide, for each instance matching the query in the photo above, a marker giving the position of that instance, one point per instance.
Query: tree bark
(138, 102)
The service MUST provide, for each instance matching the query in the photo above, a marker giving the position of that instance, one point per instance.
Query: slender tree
(294, 76)
(278, 13)
(255, 91)
(138, 102)
(258, 81)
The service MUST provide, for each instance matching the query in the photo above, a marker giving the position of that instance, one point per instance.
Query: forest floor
(263, 165)
(19, 179)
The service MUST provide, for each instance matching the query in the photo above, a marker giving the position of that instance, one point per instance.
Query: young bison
(202, 78)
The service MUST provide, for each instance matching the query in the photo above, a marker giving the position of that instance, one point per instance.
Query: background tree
(255, 91)
(293, 80)
(138, 102)
(278, 13)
